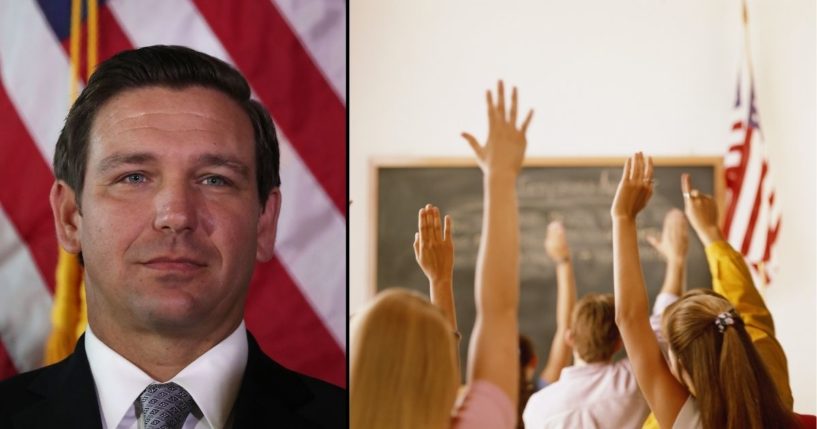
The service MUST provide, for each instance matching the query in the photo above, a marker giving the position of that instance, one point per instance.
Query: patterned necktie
(165, 406)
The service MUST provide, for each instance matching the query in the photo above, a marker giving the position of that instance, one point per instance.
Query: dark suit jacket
(63, 396)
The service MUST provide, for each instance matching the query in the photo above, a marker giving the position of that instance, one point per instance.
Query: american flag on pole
(752, 220)
(294, 55)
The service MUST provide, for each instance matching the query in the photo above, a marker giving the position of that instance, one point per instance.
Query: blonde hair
(595, 334)
(403, 364)
(733, 388)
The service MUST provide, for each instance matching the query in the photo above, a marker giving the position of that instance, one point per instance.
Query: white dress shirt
(595, 395)
(213, 380)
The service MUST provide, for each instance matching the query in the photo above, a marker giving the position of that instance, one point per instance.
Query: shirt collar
(584, 370)
(213, 379)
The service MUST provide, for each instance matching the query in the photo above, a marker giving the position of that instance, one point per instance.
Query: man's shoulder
(301, 400)
(26, 393)
(320, 390)
(22, 388)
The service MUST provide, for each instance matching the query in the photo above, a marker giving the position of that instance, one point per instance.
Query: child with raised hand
(403, 349)
(595, 391)
(561, 354)
(715, 378)
(732, 280)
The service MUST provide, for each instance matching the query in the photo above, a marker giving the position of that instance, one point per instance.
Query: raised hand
(634, 189)
(674, 240)
(702, 212)
(504, 150)
(493, 351)
(560, 353)
(664, 394)
(556, 242)
(433, 246)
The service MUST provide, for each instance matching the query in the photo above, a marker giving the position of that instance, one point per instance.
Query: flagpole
(747, 45)
(761, 266)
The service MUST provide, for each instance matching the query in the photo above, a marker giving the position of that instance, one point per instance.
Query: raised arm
(673, 245)
(558, 250)
(731, 278)
(663, 392)
(493, 354)
(434, 251)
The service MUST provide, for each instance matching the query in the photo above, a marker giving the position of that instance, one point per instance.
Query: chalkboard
(576, 191)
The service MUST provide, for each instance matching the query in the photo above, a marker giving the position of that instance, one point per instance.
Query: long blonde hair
(732, 386)
(403, 364)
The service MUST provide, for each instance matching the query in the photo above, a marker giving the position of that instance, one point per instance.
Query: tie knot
(165, 406)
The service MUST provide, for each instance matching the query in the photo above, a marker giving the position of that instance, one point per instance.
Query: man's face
(170, 218)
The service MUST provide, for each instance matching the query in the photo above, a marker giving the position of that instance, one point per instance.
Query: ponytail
(733, 387)
(739, 382)
(752, 399)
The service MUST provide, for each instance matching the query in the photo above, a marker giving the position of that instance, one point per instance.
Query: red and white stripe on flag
(293, 54)
(752, 220)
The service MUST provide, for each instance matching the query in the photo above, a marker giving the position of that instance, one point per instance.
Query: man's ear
(67, 216)
(267, 226)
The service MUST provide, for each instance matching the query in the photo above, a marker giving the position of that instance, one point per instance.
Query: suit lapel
(69, 395)
(269, 393)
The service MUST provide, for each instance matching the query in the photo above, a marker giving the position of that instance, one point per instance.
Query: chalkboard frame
(375, 164)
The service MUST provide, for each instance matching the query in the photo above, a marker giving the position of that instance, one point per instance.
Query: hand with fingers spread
(433, 246)
(493, 351)
(674, 240)
(634, 189)
(702, 212)
(504, 149)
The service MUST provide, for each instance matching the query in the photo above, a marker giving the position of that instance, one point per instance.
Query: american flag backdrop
(293, 52)
(752, 220)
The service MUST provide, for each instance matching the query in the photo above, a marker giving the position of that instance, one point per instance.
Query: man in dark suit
(168, 190)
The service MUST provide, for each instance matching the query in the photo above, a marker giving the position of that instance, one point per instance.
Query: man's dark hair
(174, 67)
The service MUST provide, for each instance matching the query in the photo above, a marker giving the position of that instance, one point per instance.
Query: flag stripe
(312, 244)
(735, 177)
(326, 43)
(283, 326)
(758, 194)
(295, 92)
(771, 239)
(35, 73)
(743, 197)
(762, 222)
(7, 368)
(26, 183)
(25, 302)
(752, 217)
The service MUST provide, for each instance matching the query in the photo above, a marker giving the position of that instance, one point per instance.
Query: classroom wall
(604, 78)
